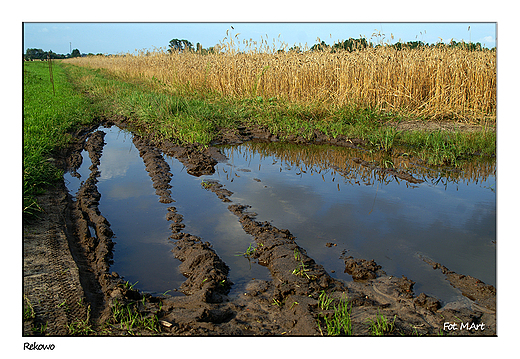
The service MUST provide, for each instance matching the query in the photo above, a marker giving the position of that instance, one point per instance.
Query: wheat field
(430, 82)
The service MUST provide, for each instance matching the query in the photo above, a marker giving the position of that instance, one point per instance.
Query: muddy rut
(68, 253)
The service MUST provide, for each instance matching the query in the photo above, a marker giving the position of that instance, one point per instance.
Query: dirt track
(67, 279)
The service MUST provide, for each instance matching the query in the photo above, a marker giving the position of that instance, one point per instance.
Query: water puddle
(137, 216)
(334, 206)
(333, 203)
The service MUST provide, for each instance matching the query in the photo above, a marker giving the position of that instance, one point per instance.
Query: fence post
(50, 72)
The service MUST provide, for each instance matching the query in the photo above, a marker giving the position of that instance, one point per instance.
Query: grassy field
(49, 116)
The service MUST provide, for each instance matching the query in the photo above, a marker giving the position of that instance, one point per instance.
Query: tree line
(39, 54)
(350, 45)
(177, 45)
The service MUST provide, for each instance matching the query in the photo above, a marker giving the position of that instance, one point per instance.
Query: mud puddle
(337, 202)
(341, 202)
(307, 214)
(137, 208)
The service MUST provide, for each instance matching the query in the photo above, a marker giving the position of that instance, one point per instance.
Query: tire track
(51, 277)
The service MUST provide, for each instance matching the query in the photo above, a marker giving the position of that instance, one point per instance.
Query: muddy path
(77, 269)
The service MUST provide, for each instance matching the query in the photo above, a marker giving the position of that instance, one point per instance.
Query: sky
(129, 37)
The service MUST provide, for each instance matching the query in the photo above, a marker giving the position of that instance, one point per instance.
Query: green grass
(190, 117)
(81, 327)
(48, 120)
(339, 322)
(128, 317)
(324, 301)
(381, 325)
(28, 309)
(186, 119)
(250, 251)
(301, 270)
(440, 147)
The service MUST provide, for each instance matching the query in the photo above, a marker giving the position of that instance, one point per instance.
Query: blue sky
(125, 37)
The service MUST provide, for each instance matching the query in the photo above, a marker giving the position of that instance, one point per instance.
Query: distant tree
(177, 45)
(39, 54)
(35, 54)
(53, 55)
(409, 45)
(295, 49)
(75, 53)
(320, 47)
(351, 44)
(472, 46)
(415, 44)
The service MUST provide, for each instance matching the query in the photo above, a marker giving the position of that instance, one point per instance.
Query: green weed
(129, 318)
(81, 327)
(301, 270)
(277, 302)
(293, 304)
(324, 301)
(381, 325)
(40, 329)
(28, 309)
(387, 136)
(340, 322)
(250, 251)
(129, 286)
(205, 185)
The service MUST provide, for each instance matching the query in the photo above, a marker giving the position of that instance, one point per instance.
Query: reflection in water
(324, 159)
(128, 201)
(136, 208)
(321, 194)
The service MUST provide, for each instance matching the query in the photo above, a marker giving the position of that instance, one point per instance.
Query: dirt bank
(68, 252)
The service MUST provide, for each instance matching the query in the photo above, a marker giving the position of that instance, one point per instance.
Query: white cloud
(488, 40)
(115, 162)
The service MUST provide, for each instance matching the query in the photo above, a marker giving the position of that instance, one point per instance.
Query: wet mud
(484, 295)
(291, 303)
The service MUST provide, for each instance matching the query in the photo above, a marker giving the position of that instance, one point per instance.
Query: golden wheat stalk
(437, 82)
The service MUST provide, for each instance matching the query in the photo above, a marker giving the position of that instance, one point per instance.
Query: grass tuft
(339, 322)
(381, 325)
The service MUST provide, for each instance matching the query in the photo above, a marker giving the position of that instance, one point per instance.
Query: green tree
(351, 44)
(320, 47)
(177, 45)
(75, 53)
(35, 54)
